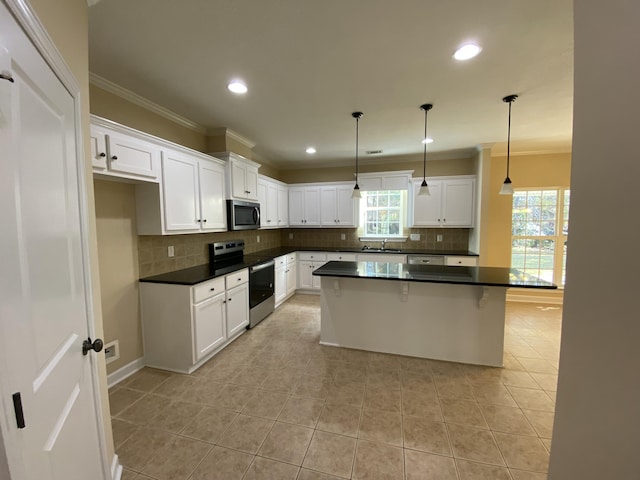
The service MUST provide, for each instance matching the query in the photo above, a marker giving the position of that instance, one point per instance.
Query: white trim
(136, 99)
(125, 372)
(227, 156)
(116, 468)
(227, 132)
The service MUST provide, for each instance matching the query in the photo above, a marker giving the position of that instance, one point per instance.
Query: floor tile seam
(198, 464)
(495, 442)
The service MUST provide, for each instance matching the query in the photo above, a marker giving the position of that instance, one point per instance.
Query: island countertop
(483, 276)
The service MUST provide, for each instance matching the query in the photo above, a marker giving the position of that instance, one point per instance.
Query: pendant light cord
(424, 156)
(357, 130)
(509, 139)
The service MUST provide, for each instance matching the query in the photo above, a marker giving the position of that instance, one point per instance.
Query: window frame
(402, 209)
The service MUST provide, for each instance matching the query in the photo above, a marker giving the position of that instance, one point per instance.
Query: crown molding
(214, 132)
(136, 99)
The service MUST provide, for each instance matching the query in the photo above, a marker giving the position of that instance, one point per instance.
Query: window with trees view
(539, 229)
(383, 213)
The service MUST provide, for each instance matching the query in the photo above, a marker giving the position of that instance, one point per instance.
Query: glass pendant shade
(507, 188)
(424, 189)
(356, 192)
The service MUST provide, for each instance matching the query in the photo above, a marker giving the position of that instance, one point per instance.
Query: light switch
(415, 237)
(170, 251)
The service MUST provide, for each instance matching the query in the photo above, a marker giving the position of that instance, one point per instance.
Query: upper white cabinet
(193, 193)
(337, 207)
(123, 155)
(304, 206)
(242, 176)
(451, 203)
(273, 197)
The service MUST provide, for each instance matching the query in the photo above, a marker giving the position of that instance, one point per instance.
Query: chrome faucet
(384, 241)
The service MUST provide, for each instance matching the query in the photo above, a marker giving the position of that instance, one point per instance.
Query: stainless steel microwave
(243, 215)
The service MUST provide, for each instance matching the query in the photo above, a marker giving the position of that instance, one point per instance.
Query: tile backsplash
(192, 249)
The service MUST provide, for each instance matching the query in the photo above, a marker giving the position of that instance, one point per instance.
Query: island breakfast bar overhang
(447, 313)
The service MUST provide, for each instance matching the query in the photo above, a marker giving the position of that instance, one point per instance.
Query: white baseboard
(551, 300)
(125, 372)
(116, 468)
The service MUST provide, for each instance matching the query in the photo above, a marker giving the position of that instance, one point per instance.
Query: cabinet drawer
(462, 261)
(291, 258)
(341, 257)
(237, 278)
(208, 289)
(312, 256)
(280, 262)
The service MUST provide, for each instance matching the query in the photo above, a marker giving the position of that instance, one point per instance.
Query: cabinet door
(458, 203)
(251, 182)
(283, 206)
(98, 143)
(316, 281)
(132, 156)
(312, 206)
(272, 205)
(237, 309)
(208, 326)
(304, 274)
(427, 209)
(238, 180)
(328, 206)
(180, 192)
(212, 201)
(262, 200)
(292, 273)
(281, 284)
(296, 206)
(346, 207)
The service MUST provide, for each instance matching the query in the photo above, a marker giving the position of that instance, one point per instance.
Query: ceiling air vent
(374, 152)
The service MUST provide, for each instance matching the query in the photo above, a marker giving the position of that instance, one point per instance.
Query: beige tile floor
(277, 405)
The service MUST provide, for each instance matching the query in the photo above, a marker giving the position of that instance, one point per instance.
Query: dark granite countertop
(485, 276)
(202, 273)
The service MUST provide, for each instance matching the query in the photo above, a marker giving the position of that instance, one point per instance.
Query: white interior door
(44, 306)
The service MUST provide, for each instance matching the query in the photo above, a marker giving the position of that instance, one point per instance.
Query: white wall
(597, 427)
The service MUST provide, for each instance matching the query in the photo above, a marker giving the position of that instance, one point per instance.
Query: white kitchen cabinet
(242, 177)
(451, 203)
(307, 263)
(123, 155)
(186, 325)
(463, 261)
(192, 192)
(337, 207)
(274, 203)
(304, 206)
(292, 275)
(341, 257)
(285, 277)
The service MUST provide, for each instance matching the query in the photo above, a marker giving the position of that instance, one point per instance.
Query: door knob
(96, 345)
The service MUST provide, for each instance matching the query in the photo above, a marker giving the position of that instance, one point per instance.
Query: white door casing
(45, 299)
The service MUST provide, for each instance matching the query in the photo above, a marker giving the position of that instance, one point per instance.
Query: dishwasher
(425, 259)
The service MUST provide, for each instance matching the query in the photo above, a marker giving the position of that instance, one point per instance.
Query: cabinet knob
(230, 299)
(212, 289)
(198, 220)
(205, 220)
(102, 155)
(114, 157)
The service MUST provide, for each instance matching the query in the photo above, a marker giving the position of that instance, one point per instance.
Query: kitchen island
(441, 312)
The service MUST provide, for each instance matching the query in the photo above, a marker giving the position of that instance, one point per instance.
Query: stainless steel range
(225, 255)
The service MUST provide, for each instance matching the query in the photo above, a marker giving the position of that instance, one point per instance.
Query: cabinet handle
(6, 76)
(212, 289)
(114, 157)
(224, 301)
(102, 154)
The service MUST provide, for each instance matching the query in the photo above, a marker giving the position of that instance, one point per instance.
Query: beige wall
(67, 23)
(526, 171)
(118, 254)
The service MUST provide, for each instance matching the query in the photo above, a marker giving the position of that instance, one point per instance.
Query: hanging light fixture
(507, 188)
(356, 189)
(424, 188)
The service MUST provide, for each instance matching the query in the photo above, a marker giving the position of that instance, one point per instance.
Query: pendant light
(424, 188)
(356, 189)
(507, 188)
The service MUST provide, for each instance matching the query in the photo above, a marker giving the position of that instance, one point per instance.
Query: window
(383, 213)
(539, 229)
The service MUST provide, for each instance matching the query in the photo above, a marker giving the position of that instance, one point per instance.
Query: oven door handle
(256, 216)
(263, 266)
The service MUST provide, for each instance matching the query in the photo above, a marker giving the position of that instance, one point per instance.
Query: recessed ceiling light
(467, 51)
(427, 140)
(237, 87)
(311, 150)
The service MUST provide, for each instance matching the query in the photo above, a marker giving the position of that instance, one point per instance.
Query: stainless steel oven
(261, 292)
(243, 215)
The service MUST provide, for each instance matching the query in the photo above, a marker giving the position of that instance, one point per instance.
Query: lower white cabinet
(285, 277)
(183, 326)
(341, 257)
(463, 261)
(307, 263)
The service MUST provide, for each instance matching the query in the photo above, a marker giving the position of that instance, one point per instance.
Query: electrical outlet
(415, 237)
(257, 238)
(291, 236)
(343, 236)
(170, 251)
(112, 351)
(438, 238)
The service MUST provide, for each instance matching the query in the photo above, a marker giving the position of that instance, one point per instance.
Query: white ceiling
(310, 63)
